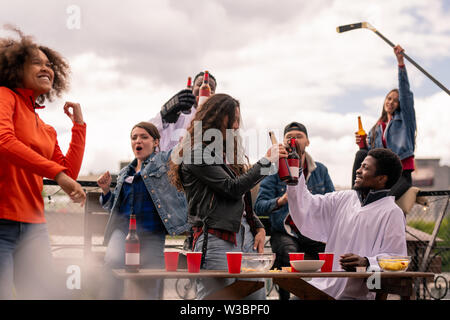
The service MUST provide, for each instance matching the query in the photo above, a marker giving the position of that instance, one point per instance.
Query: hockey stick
(367, 25)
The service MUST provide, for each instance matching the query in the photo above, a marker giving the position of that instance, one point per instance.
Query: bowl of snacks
(257, 261)
(307, 265)
(394, 263)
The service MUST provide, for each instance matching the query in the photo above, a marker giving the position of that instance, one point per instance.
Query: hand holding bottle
(300, 152)
(361, 135)
(182, 101)
(276, 152)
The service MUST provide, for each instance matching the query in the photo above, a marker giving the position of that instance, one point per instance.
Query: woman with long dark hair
(217, 182)
(395, 129)
(142, 189)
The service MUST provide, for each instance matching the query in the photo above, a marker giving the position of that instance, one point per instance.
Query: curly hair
(14, 54)
(211, 115)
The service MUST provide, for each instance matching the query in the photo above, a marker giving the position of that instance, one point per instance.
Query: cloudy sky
(282, 59)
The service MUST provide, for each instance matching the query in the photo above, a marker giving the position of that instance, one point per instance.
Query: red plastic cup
(328, 264)
(171, 260)
(296, 256)
(193, 261)
(234, 260)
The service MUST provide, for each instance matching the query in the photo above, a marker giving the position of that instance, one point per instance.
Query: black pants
(398, 189)
(282, 244)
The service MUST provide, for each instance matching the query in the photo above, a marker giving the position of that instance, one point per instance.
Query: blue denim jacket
(272, 188)
(170, 204)
(401, 130)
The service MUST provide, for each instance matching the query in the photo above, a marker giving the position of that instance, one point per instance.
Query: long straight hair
(211, 114)
(383, 118)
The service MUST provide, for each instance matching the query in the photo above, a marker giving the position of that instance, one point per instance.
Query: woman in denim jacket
(143, 189)
(395, 129)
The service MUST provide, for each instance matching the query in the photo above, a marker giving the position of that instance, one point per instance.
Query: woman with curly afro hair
(30, 74)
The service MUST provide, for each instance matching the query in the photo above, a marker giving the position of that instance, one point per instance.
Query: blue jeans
(25, 261)
(151, 257)
(216, 259)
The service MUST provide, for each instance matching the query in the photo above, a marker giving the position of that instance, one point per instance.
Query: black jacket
(215, 194)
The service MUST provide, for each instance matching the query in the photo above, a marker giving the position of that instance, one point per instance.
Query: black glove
(181, 102)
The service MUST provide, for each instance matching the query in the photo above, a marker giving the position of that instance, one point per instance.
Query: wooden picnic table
(400, 283)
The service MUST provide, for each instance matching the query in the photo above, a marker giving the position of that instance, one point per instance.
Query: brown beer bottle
(132, 248)
(205, 89)
(293, 161)
(362, 134)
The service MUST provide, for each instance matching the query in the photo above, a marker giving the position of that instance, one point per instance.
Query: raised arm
(406, 96)
(312, 214)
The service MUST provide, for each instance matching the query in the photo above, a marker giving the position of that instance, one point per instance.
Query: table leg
(302, 289)
(400, 286)
(236, 291)
(133, 290)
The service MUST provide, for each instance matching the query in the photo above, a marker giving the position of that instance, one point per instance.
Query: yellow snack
(248, 269)
(393, 264)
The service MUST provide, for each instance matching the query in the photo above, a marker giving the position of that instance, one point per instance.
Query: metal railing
(429, 243)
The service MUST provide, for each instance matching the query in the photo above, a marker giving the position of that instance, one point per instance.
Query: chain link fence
(428, 229)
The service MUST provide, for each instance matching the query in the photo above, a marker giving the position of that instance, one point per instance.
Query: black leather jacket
(215, 194)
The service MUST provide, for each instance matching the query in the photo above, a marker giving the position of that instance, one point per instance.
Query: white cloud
(283, 60)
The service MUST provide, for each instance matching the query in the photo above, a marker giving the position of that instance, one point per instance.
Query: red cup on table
(296, 256)
(234, 260)
(193, 261)
(171, 260)
(328, 264)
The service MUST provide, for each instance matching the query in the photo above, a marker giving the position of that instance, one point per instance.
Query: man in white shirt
(177, 113)
(356, 225)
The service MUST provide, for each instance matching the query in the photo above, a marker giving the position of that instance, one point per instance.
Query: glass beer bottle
(132, 247)
(362, 134)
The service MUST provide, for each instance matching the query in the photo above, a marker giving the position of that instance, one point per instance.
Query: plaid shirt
(228, 235)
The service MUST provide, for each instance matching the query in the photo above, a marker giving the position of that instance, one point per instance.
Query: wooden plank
(182, 273)
(236, 291)
(302, 289)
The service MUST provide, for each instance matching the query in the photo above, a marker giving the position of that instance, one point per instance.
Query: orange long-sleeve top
(29, 151)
